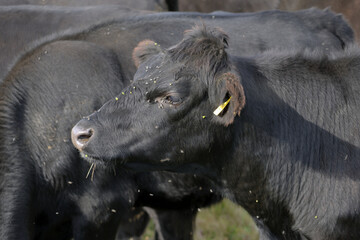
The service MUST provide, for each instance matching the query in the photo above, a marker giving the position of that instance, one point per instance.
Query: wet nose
(81, 136)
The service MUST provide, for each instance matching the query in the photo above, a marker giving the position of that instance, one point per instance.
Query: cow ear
(144, 50)
(228, 97)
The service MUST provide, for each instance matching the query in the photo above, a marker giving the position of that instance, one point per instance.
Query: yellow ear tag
(221, 107)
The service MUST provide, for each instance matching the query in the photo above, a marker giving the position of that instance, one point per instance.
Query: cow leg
(134, 226)
(120, 226)
(173, 224)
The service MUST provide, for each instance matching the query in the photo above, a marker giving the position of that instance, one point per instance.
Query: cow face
(166, 115)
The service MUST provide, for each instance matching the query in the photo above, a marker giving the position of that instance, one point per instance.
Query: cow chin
(93, 159)
(101, 161)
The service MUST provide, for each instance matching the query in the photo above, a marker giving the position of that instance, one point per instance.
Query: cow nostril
(85, 137)
(81, 137)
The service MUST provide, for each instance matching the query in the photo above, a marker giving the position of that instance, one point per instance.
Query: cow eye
(172, 99)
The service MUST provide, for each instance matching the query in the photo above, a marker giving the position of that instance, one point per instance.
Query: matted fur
(203, 47)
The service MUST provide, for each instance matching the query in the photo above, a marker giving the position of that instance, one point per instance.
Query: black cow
(283, 141)
(42, 178)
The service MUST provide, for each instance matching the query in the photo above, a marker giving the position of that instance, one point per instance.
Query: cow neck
(281, 157)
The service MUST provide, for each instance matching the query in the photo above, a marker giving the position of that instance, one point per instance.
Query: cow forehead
(161, 68)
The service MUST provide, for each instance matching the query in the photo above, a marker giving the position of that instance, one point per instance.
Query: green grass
(223, 221)
(149, 232)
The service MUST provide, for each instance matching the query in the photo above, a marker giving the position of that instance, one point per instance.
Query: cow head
(166, 115)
